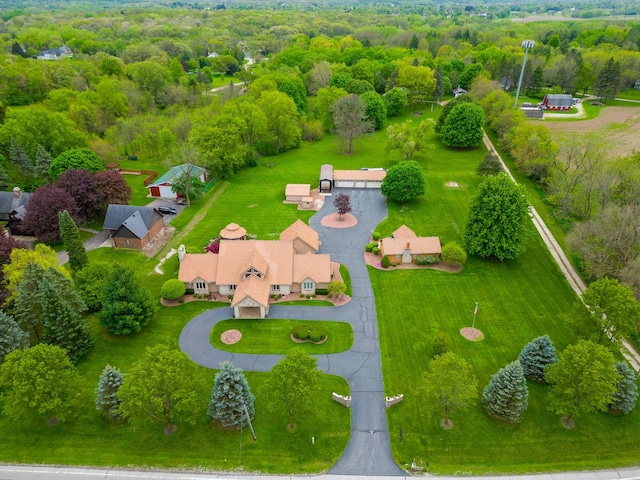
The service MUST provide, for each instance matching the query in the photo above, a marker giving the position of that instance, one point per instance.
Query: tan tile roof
(404, 232)
(316, 267)
(304, 232)
(361, 175)
(200, 265)
(252, 287)
(257, 261)
(418, 246)
(233, 231)
(235, 255)
(302, 189)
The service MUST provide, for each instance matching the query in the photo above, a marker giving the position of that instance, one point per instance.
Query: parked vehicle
(167, 210)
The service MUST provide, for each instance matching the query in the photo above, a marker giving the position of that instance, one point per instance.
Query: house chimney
(181, 252)
(16, 192)
(408, 245)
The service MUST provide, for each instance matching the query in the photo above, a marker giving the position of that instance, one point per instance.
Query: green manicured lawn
(274, 336)
(518, 301)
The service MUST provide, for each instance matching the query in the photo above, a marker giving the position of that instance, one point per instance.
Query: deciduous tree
(161, 387)
(113, 187)
(82, 187)
(403, 182)
(282, 116)
(7, 245)
(535, 356)
(230, 395)
(396, 101)
(221, 145)
(292, 385)
(463, 126)
(375, 109)
(609, 311)
(75, 158)
(449, 384)
(126, 304)
(505, 396)
(460, 99)
(498, 224)
(42, 212)
(584, 380)
(90, 283)
(342, 204)
(39, 382)
(107, 400)
(350, 120)
(408, 139)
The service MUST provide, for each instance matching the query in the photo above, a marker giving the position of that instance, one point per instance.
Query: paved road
(11, 472)
(368, 451)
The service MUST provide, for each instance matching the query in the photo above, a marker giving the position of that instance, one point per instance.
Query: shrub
(189, 291)
(376, 250)
(376, 235)
(441, 344)
(302, 295)
(181, 301)
(301, 332)
(453, 254)
(385, 262)
(317, 334)
(368, 247)
(427, 260)
(172, 289)
(322, 291)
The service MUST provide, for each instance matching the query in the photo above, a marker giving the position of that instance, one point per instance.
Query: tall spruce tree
(607, 83)
(5, 179)
(73, 245)
(439, 90)
(43, 162)
(624, 400)
(19, 158)
(107, 391)
(12, 337)
(126, 305)
(62, 325)
(538, 353)
(28, 310)
(505, 396)
(230, 390)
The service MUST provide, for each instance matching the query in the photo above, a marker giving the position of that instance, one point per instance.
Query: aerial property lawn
(518, 301)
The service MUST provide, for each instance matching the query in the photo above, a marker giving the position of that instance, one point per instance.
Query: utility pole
(527, 44)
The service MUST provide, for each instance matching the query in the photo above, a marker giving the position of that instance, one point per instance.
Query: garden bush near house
(172, 289)
(385, 262)
(375, 250)
(189, 291)
(453, 254)
(376, 235)
(314, 333)
(427, 260)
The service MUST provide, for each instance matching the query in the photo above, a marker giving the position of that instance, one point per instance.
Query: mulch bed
(471, 334)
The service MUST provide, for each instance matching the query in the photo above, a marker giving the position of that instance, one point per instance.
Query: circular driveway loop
(368, 451)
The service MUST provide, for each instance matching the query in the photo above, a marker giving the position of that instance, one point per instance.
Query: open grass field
(274, 336)
(518, 300)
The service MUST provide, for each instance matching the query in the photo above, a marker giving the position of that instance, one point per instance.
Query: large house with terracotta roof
(405, 246)
(252, 270)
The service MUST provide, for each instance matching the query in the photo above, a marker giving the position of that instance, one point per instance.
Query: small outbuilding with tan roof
(406, 247)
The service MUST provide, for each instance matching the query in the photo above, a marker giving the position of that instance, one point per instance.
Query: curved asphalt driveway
(368, 451)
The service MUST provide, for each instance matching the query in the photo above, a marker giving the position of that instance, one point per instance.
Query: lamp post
(527, 44)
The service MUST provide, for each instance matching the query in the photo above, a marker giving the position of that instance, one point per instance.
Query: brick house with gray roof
(130, 226)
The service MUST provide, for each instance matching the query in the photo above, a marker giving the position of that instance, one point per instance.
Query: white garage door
(165, 192)
(344, 184)
(374, 184)
(361, 184)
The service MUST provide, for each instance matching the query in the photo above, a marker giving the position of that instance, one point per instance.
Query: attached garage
(365, 178)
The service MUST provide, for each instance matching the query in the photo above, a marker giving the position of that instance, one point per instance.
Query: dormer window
(252, 271)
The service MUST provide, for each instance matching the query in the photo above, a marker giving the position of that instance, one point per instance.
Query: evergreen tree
(5, 179)
(229, 391)
(413, 43)
(538, 353)
(73, 245)
(28, 309)
(19, 158)
(107, 391)
(12, 337)
(505, 396)
(43, 162)
(607, 84)
(90, 282)
(126, 305)
(62, 325)
(626, 395)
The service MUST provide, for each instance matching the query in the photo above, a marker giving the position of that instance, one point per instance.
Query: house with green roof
(161, 188)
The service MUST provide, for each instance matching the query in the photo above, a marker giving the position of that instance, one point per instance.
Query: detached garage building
(161, 188)
(369, 178)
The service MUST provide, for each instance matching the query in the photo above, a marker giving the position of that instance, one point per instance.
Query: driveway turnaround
(368, 452)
